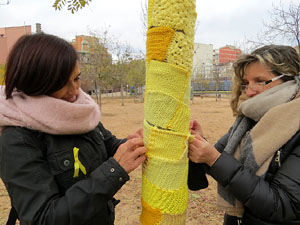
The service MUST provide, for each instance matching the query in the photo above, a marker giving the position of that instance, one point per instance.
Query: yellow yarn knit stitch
(158, 41)
(170, 39)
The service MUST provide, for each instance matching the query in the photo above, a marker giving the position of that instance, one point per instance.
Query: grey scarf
(254, 128)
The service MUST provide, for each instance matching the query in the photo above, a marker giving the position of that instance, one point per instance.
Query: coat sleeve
(33, 190)
(278, 200)
(111, 142)
(220, 145)
(196, 176)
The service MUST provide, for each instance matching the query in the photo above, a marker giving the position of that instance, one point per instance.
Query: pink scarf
(48, 114)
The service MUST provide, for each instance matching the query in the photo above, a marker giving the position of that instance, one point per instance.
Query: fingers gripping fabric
(170, 39)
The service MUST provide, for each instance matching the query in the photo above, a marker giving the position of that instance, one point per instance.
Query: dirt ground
(215, 119)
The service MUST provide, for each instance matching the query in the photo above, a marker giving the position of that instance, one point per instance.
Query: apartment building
(8, 37)
(202, 60)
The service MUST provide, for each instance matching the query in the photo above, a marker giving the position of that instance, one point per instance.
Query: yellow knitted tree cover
(170, 42)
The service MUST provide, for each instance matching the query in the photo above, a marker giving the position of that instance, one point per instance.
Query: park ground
(215, 118)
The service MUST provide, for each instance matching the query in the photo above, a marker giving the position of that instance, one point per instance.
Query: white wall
(203, 59)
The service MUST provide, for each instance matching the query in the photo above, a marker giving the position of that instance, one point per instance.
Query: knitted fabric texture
(167, 114)
(48, 114)
(158, 41)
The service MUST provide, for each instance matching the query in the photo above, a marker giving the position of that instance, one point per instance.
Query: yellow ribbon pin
(77, 164)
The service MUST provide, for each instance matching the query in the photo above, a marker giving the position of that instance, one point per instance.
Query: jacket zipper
(277, 158)
(239, 221)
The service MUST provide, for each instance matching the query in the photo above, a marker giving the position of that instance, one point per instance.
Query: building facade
(93, 59)
(90, 50)
(212, 68)
(202, 60)
(8, 37)
(223, 59)
(228, 54)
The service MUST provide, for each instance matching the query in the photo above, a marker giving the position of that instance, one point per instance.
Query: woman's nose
(73, 89)
(250, 93)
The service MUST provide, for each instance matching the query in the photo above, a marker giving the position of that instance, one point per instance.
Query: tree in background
(137, 75)
(283, 26)
(198, 77)
(107, 63)
(216, 77)
(73, 5)
(96, 62)
(124, 56)
(97, 68)
(144, 18)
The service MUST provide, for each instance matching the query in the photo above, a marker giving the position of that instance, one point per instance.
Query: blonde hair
(279, 59)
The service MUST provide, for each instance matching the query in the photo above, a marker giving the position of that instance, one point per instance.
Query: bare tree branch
(283, 26)
(144, 18)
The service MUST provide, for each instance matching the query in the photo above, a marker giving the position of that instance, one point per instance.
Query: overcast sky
(220, 22)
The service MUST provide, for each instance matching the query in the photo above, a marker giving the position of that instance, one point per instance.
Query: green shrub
(1, 74)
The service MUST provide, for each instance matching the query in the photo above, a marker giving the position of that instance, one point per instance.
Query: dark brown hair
(39, 64)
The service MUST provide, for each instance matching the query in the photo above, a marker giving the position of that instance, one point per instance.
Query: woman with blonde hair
(257, 163)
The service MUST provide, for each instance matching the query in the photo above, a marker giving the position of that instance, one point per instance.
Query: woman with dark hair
(57, 161)
(257, 163)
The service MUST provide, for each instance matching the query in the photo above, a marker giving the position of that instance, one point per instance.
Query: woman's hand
(131, 154)
(138, 134)
(195, 128)
(200, 151)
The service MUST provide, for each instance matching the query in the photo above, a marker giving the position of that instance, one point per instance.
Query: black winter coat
(37, 170)
(269, 200)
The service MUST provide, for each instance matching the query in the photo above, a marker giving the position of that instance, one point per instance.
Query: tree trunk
(98, 98)
(216, 92)
(134, 94)
(142, 96)
(96, 90)
(122, 94)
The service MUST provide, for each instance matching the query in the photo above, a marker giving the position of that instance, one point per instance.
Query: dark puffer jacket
(37, 170)
(269, 200)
